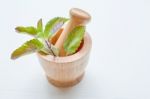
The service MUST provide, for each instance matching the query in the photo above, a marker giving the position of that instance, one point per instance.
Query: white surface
(119, 66)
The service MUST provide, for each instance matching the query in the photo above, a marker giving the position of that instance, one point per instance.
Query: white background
(119, 66)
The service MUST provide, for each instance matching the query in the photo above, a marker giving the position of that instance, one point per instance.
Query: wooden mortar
(69, 70)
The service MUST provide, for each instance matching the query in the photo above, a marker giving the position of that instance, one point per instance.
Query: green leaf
(55, 50)
(40, 26)
(27, 48)
(51, 24)
(74, 39)
(27, 30)
(40, 29)
(40, 35)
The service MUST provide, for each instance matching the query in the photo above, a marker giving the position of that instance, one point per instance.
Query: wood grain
(66, 71)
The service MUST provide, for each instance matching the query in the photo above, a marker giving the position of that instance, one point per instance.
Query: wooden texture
(67, 71)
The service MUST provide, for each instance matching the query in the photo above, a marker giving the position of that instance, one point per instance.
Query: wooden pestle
(77, 17)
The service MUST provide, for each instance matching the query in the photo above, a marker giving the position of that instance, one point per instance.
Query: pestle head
(79, 16)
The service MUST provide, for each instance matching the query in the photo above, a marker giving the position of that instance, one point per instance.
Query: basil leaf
(27, 30)
(51, 24)
(40, 26)
(27, 48)
(55, 50)
(74, 39)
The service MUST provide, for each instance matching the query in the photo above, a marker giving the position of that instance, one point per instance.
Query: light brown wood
(78, 17)
(67, 71)
(55, 37)
(65, 83)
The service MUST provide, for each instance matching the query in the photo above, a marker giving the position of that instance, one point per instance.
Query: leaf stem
(49, 46)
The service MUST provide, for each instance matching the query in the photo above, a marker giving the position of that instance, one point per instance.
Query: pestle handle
(77, 17)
